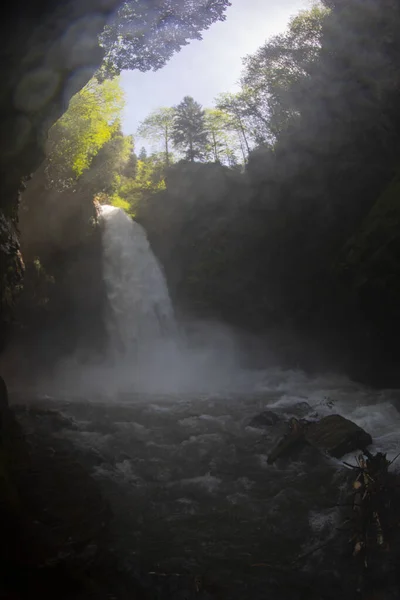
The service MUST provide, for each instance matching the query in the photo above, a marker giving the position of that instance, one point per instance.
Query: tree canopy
(275, 78)
(189, 131)
(158, 126)
(109, 165)
(223, 141)
(144, 34)
(93, 116)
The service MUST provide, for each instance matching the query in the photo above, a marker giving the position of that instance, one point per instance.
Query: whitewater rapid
(190, 487)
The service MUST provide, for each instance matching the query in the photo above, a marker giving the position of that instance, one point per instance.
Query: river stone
(337, 436)
(264, 419)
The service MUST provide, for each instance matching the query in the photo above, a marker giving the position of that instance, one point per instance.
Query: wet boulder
(265, 419)
(336, 436)
(333, 435)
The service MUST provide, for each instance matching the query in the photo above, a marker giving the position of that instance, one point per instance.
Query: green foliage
(236, 108)
(142, 154)
(189, 132)
(116, 200)
(130, 168)
(150, 172)
(92, 118)
(109, 164)
(223, 142)
(148, 179)
(145, 34)
(157, 127)
(275, 79)
(209, 134)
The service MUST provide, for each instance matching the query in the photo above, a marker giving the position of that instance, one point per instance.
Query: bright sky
(205, 68)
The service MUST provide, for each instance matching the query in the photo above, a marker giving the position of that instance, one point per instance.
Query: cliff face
(196, 227)
(49, 52)
(61, 306)
(368, 270)
(220, 249)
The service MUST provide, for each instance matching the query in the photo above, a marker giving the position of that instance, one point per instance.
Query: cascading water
(140, 312)
(145, 351)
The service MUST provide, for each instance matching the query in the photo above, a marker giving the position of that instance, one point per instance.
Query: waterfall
(146, 351)
(140, 312)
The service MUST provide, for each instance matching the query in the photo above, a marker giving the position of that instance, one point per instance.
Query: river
(191, 491)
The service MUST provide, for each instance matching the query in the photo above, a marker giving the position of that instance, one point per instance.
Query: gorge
(155, 304)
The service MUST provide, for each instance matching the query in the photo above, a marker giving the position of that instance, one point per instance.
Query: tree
(143, 154)
(158, 127)
(223, 140)
(149, 179)
(144, 34)
(237, 109)
(104, 174)
(275, 78)
(93, 116)
(189, 129)
(130, 168)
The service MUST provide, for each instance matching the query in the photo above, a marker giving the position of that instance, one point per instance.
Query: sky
(206, 68)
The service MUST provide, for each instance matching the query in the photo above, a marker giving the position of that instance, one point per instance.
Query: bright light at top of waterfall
(206, 68)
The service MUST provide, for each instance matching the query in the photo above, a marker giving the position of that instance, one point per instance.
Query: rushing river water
(192, 493)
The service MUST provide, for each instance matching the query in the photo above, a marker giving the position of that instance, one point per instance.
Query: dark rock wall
(49, 51)
(368, 270)
(60, 310)
(195, 227)
(212, 237)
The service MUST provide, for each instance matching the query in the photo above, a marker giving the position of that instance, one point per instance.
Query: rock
(333, 435)
(292, 440)
(337, 436)
(265, 419)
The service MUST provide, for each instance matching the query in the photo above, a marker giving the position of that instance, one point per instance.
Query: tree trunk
(166, 148)
(215, 147)
(244, 136)
(242, 149)
(191, 148)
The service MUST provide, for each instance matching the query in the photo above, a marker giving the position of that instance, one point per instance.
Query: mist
(205, 361)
